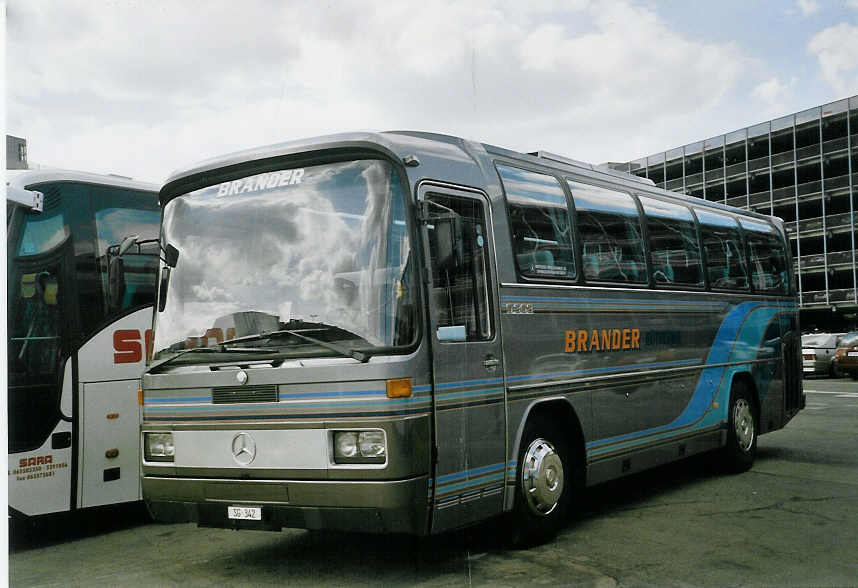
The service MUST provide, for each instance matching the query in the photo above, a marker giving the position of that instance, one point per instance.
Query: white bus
(74, 354)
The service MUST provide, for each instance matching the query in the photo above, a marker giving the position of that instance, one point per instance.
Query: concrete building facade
(16, 152)
(802, 168)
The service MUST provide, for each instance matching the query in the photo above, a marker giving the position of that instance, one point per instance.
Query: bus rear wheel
(544, 484)
(741, 449)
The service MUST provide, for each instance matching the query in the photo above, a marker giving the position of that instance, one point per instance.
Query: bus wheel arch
(743, 425)
(550, 456)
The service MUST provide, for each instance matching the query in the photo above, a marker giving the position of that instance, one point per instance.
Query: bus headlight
(359, 447)
(158, 447)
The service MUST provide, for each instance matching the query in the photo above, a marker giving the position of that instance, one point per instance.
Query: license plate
(244, 513)
(852, 354)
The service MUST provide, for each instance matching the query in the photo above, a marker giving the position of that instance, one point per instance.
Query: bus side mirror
(127, 243)
(162, 290)
(171, 255)
(447, 241)
(115, 283)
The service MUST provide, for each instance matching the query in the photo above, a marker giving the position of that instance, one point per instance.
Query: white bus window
(610, 234)
(767, 258)
(673, 246)
(726, 264)
(539, 221)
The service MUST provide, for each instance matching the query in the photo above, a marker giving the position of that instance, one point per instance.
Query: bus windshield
(321, 251)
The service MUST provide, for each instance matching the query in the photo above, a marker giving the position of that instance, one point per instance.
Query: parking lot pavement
(790, 521)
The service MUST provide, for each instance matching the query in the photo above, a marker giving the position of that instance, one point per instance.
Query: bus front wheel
(544, 483)
(738, 455)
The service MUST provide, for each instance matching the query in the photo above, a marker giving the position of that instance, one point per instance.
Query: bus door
(41, 311)
(469, 398)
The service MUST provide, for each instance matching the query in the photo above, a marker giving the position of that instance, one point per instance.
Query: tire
(741, 449)
(544, 484)
(853, 375)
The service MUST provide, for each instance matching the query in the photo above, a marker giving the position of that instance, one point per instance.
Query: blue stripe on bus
(467, 473)
(468, 383)
(331, 394)
(623, 301)
(321, 415)
(272, 405)
(186, 399)
(451, 395)
(468, 483)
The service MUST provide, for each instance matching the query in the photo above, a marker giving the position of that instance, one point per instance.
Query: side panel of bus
(106, 416)
(627, 375)
(109, 413)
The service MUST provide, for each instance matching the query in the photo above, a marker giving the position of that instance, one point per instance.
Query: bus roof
(23, 178)
(401, 143)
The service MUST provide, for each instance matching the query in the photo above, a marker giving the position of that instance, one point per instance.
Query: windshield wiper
(222, 349)
(361, 356)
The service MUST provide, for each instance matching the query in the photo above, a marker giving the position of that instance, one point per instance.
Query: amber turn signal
(399, 388)
(140, 396)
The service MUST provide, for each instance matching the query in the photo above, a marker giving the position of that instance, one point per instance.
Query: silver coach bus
(409, 332)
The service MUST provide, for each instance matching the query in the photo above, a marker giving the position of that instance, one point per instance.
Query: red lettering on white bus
(128, 347)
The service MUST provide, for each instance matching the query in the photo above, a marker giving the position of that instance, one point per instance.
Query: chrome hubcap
(542, 477)
(743, 422)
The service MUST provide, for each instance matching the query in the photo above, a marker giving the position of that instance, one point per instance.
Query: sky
(142, 88)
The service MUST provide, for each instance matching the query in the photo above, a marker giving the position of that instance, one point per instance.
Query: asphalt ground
(791, 521)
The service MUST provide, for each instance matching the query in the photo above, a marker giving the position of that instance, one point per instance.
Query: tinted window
(726, 267)
(42, 234)
(140, 262)
(539, 220)
(767, 258)
(612, 246)
(674, 250)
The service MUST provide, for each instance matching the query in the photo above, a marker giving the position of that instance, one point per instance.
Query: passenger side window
(767, 258)
(610, 233)
(726, 266)
(460, 267)
(673, 246)
(539, 220)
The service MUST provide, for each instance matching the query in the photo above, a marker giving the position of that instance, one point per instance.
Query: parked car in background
(846, 356)
(817, 353)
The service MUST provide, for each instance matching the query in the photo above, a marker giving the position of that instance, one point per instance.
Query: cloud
(143, 88)
(807, 7)
(773, 96)
(836, 49)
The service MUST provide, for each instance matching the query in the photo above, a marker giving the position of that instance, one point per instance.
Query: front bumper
(399, 506)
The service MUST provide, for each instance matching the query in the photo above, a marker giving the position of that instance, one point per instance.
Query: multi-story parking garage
(802, 168)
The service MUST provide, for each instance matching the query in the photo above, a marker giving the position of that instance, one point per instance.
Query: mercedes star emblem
(243, 449)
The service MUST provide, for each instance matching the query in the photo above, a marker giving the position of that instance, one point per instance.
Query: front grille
(236, 394)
